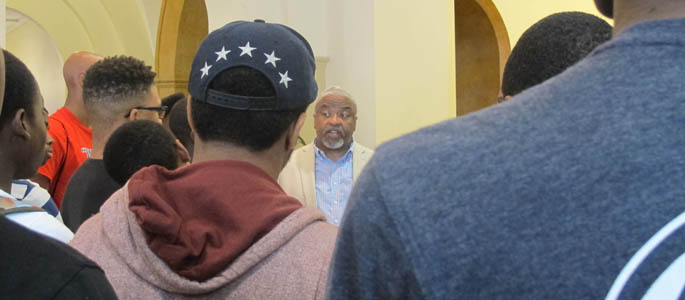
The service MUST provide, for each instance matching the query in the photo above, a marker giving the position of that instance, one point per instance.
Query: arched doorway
(183, 24)
(482, 49)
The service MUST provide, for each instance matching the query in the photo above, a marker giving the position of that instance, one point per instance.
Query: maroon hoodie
(200, 218)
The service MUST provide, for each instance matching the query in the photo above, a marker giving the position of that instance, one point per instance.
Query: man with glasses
(116, 90)
(321, 174)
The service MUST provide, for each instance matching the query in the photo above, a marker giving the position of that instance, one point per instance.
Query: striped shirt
(28, 192)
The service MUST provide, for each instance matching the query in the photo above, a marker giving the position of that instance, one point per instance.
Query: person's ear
(294, 131)
(507, 97)
(81, 77)
(19, 124)
(133, 115)
(182, 154)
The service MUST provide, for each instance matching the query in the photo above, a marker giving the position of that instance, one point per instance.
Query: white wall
(32, 44)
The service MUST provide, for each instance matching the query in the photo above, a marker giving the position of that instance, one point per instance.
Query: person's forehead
(335, 101)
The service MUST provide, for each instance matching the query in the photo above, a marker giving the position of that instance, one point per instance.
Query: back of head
(136, 145)
(20, 88)
(170, 101)
(249, 82)
(113, 86)
(179, 126)
(550, 46)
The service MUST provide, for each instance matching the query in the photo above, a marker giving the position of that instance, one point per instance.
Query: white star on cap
(284, 79)
(205, 70)
(247, 49)
(222, 54)
(271, 58)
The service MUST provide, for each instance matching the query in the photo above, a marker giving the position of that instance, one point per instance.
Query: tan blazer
(297, 178)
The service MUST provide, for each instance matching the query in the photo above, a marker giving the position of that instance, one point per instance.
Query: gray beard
(337, 145)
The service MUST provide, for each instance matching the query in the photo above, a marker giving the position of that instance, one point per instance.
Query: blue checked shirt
(333, 183)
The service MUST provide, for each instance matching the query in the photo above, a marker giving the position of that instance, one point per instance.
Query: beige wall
(3, 39)
(108, 27)
(351, 44)
(414, 65)
(396, 57)
(32, 44)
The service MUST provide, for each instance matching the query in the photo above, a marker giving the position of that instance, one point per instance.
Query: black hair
(606, 7)
(111, 85)
(171, 100)
(178, 124)
(136, 145)
(254, 130)
(550, 46)
(20, 88)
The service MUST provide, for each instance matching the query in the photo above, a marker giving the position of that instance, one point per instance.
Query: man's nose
(335, 119)
(48, 139)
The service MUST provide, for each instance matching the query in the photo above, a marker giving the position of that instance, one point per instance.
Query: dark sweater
(37, 267)
(547, 196)
(88, 188)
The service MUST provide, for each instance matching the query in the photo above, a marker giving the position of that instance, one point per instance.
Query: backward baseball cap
(275, 50)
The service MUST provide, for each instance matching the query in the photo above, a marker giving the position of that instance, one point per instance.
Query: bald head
(74, 72)
(75, 68)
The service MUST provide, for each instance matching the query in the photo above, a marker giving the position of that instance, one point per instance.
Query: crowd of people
(570, 188)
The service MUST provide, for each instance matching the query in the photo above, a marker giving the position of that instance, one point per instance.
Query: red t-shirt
(72, 146)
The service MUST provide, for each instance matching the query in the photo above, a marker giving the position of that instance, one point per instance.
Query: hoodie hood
(200, 218)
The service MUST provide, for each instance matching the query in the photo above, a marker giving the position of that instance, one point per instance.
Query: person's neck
(100, 137)
(270, 160)
(6, 175)
(630, 12)
(75, 106)
(333, 154)
(7, 161)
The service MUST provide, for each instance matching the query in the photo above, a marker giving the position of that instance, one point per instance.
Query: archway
(31, 43)
(183, 24)
(482, 49)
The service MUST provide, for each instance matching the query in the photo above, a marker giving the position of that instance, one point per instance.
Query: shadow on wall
(37, 49)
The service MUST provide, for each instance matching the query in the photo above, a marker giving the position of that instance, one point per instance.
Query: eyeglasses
(161, 110)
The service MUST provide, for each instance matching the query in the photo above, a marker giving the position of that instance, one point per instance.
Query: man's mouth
(335, 132)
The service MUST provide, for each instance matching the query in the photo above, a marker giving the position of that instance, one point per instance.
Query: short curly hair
(115, 84)
(136, 145)
(550, 46)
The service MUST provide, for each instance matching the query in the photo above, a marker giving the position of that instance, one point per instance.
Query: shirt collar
(321, 154)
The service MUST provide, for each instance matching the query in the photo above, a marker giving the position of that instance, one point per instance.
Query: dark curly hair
(20, 88)
(136, 145)
(114, 85)
(254, 130)
(171, 100)
(550, 46)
